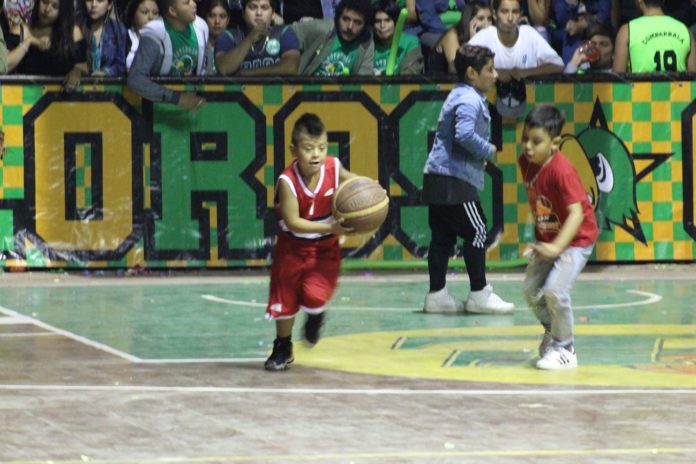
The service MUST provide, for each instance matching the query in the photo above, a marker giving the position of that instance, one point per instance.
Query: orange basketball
(362, 203)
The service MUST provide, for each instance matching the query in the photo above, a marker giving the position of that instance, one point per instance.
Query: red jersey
(305, 268)
(551, 188)
(314, 205)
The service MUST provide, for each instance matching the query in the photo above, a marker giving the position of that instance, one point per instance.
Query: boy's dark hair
(601, 29)
(308, 123)
(547, 117)
(495, 4)
(364, 7)
(163, 6)
(388, 7)
(471, 56)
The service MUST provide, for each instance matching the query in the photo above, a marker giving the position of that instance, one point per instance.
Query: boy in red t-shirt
(307, 255)
(565, 230)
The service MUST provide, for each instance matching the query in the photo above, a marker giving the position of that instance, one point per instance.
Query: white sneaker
(484, 301)
(557, 358)
(442, 302)
(546, 344)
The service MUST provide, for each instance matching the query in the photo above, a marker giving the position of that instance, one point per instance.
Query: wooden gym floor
(167, 368)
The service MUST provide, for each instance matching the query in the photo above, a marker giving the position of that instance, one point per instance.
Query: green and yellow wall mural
(99, 178)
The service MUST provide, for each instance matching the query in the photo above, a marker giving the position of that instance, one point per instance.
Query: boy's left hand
(546, 250)
(337, 227)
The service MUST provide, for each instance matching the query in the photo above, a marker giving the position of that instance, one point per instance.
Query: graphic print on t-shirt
(546, 220)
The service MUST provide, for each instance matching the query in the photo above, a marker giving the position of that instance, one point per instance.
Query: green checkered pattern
(646, 116)
(83, 175)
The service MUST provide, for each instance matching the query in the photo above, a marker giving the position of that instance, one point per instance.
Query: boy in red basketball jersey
(565, 230)
(307, 255)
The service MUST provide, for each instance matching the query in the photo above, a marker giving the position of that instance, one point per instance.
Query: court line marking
(14, 320)
(416, 276)
(346, 391)
(375, 455)
(78, 338)
(650, 298)
(14, 317)
(199, 360)
(29, 334)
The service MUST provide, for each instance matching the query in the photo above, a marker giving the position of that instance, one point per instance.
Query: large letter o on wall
(83, 147)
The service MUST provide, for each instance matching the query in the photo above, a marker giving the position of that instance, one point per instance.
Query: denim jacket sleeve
(471, 130)
(114, 48)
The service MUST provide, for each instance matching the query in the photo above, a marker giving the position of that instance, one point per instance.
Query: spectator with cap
(256, 47)
(339, 47)
(408, 58)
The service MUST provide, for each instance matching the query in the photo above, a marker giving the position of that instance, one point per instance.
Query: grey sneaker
(441, 302)
(484, 301)
(557, 358)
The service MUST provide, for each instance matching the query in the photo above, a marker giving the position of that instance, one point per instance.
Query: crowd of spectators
(144, 38)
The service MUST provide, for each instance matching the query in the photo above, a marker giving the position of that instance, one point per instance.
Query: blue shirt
(266, 52)
(429, 13)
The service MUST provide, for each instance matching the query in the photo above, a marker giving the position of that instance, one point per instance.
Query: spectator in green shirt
(337, 47)
(654, 42)
(409, 59)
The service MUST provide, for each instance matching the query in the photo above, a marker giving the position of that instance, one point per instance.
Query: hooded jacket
(316, 37)
(154, 58)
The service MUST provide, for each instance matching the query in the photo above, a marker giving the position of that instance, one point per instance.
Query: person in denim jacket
(453, 176)
(106, 38)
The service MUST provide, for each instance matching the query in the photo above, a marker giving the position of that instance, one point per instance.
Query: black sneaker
(312, 326)
(280, 357)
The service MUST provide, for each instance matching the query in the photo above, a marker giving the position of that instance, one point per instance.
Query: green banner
(99, 178)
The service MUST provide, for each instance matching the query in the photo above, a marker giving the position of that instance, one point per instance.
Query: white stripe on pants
(477, 222)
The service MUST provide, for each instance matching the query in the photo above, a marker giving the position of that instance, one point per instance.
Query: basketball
(362, 203)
